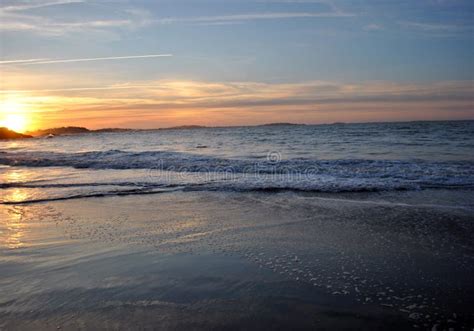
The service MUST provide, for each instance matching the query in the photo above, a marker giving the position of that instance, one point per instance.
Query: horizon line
(199, 126)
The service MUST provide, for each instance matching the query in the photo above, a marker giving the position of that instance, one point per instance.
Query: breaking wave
(201, 172)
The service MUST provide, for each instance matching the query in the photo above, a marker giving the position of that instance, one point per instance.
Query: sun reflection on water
(14, 175)
(12, 231)
(11, 176)
(15, 224)
(15, 228)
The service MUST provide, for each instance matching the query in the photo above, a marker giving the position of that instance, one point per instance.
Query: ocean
(312, 158)
(341, 226)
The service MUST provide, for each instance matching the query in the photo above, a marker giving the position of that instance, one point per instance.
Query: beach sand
(213, 260)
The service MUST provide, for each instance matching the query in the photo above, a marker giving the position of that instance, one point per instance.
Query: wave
(192, 172)
(237, 187)
(69, 185)
(83, 196)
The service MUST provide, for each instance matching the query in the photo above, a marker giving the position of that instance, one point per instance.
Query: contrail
(54, 61)
(22, 61)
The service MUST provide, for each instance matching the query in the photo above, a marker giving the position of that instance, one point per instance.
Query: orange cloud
(150, 104)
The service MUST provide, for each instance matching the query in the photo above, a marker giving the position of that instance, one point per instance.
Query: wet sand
(204, 260)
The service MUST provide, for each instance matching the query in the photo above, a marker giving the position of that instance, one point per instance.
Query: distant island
(112, 130)
(74, 130)
(59, 131)
(71, 130)
(185, 127)
(281, 124)
(9, 134)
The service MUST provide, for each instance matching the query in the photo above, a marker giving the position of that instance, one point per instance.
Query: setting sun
(14, 116)
(15, 122)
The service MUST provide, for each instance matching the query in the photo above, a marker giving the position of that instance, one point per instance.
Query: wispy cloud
(21, 6)
(373, 27)
(19, 17)
(437, 28)
(312, 91)
(54, 61)
(429, 26)
(253, 17)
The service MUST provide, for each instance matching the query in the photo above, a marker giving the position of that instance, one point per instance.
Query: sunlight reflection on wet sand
(13, 219)
(330, 247)
(15, 228)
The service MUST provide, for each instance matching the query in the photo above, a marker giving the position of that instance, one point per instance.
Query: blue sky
(372, 47)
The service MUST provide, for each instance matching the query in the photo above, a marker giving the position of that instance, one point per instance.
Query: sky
(151, 64)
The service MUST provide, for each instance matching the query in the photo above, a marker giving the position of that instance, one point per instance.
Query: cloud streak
(29, 5)
(252, 17)
(436, 29)
(44, 25)
(55, 61)
(17, 18)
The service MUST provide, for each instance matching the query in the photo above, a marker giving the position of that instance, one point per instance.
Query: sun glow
(15, 122)
(14, 116)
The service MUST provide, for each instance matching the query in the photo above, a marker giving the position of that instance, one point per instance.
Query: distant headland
(74, 130)
(71, 130)
(9, 134)
(5, 133)
(280, 124)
